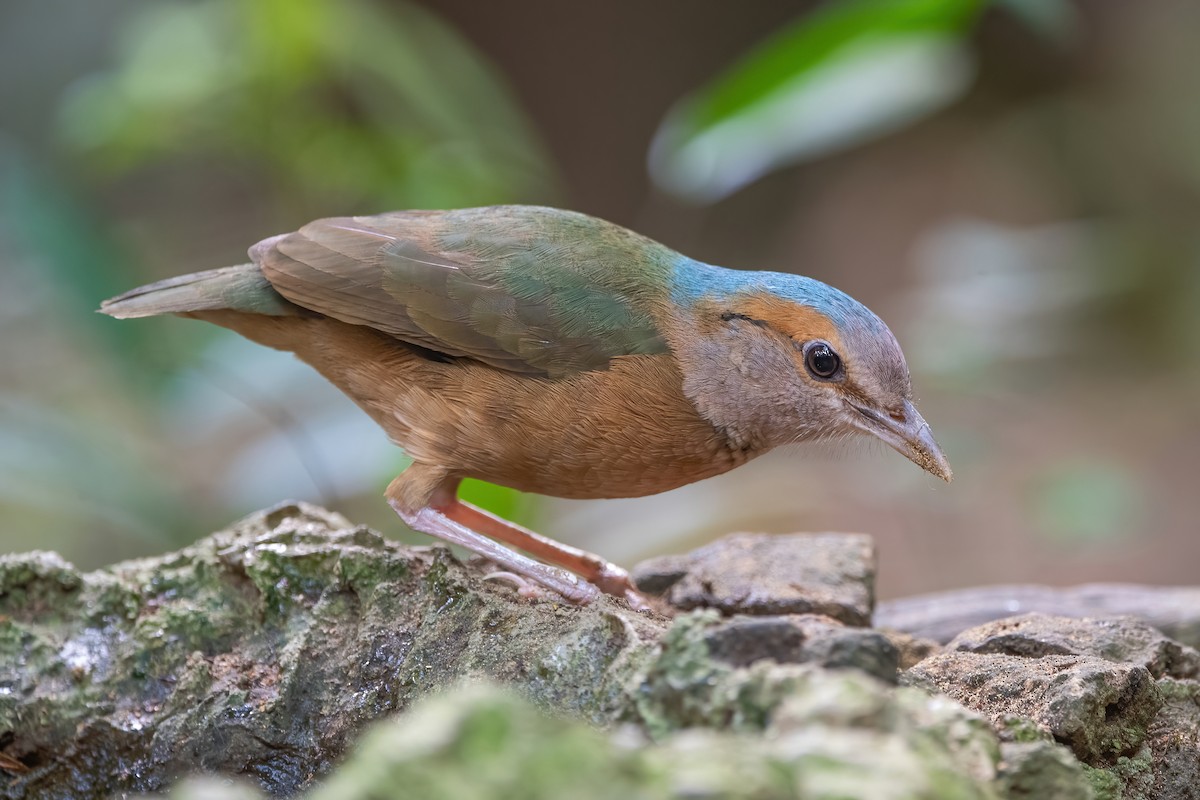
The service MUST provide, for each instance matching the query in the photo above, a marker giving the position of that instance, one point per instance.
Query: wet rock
(1124, 640)
(829, 574)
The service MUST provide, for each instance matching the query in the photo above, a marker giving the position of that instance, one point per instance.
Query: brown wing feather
(502, 286)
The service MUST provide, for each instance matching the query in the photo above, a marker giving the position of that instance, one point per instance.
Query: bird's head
(775, 359)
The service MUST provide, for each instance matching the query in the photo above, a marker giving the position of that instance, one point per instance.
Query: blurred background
(1013, 185)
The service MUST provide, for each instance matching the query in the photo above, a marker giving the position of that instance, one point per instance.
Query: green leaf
(849, 72)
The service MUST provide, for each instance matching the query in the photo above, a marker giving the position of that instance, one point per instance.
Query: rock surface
(801, 639)
(269, 651)
(264, 651)
(1099, 709)
(483, 743)
(752, 573)
(1121, 640)
(1119, 693)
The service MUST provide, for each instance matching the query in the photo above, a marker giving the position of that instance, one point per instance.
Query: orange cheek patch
(802, 323)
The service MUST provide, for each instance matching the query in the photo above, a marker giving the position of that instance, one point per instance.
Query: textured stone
(1174, 741)
(482, 744)
(264, 650)
(1041, 769)
(912, 650)
(800, 639)
(830, 574)
(1097, 708)
(1125, 640)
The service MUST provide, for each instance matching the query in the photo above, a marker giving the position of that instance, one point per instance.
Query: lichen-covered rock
(1090, 684)
(697, 678)
(479, 742)
(831, 574)
(1174, 741)
(1042, 769)
(264, 650)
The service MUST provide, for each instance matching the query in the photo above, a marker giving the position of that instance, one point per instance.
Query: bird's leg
(436, 522)
(425, 499)
(608, 576)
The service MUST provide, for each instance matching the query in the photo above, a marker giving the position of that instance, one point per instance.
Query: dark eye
(821, 361)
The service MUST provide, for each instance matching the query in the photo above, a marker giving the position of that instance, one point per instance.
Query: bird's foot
(525, 589)
(614, 580)
(434, 522)
(617, 587)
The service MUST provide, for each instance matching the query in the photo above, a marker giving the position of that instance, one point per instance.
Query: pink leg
(438, 522)
(608, 576)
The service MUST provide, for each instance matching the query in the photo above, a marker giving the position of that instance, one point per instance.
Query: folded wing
(525, 289)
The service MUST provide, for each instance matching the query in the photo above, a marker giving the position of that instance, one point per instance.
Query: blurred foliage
(329, 107)
(844, 74)
(1080, 502)
(1012, 184)
(850, 71)
(342, 100)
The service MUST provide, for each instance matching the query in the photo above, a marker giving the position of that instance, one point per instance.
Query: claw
(525, 589)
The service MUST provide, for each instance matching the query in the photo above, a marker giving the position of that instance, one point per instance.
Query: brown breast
(622, 432)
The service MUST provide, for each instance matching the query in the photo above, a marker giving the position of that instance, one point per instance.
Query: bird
(556, 353)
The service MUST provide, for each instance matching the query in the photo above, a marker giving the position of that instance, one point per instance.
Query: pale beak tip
(925, 450)
(909, 434)
(933, 462)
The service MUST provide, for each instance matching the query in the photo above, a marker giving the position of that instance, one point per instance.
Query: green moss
(38, 587)
(13, 638)
(365, 563)
(110, 600)
(1022, 729)
(1179, 690)
(439, 581)
(677, 690)
(271, 649)
(1129, 778)
(1105, 785)
(286, 577)
(478, 742)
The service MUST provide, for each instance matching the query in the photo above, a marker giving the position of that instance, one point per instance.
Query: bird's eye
(821, 361)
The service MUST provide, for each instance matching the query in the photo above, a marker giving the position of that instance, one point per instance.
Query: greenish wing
(525, 289)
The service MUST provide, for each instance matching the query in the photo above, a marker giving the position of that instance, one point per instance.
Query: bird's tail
(239, 288)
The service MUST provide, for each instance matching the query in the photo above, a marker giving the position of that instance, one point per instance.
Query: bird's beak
(908, 433)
